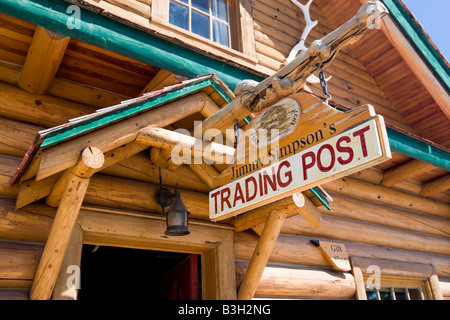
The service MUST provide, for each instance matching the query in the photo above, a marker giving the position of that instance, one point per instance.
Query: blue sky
(434, 17)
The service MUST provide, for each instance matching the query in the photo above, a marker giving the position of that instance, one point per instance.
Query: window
(206, 18)
(379, 279)
(398, 289)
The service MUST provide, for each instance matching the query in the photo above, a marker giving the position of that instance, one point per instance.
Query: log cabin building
(94, 95)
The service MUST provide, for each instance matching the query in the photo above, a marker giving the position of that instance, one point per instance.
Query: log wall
(371, 220)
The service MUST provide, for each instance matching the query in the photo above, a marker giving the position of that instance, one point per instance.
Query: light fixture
(177, 215)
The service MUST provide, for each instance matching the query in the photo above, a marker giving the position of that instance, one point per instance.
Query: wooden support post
(63, 225)
(67, 285)
(43, 59)
(261, 255)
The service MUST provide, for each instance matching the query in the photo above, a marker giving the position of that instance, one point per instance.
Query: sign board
(335, 253)
(316, 144)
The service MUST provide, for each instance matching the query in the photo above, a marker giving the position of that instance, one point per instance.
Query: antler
(309, 26)
(301, 45)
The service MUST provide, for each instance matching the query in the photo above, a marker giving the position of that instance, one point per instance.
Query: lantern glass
(177, 218)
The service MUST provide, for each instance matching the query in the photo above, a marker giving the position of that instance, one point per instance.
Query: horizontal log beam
(298, 250)
(435, 186)
(348, 230)
(44, 56)
(405, 171)
(199, 149)
(356, 209)
(40, 110)
(380, 194)
(292, 282)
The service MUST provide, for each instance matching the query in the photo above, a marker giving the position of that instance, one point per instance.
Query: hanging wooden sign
(335, 253)
(314, 144)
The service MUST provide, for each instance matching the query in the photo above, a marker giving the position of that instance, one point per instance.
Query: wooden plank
(43, 59)
(16, 137)
(261, 255)
(162, 79)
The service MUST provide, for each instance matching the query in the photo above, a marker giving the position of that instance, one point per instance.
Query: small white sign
(339, 156)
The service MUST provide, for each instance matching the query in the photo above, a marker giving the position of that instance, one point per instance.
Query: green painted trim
(320, 196)
(417, 149)
(417, 37)
(117, 37)
(121, 113)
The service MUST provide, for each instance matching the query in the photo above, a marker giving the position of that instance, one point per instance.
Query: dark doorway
(111, 273)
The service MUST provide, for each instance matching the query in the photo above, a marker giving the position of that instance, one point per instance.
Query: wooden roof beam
(405, 171)
(44, 56)
(435, 186)
(166, 139)
(65, 219)
(162, 79)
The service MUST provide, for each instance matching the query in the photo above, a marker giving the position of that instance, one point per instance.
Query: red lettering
(305, 165)
(261, 189)
(214, 195)
(247, 188)
(272, 183)
(225, 198)
(344, 149)
(238, 195)
(360, 133)
(288, 174)
(319, 158)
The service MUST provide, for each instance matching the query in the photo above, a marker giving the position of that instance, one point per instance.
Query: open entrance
(112, 273)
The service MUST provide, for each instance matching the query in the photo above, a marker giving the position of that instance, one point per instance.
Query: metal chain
(236, 133)
(323, 83)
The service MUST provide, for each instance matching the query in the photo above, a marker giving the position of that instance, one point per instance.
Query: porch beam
(435, 186)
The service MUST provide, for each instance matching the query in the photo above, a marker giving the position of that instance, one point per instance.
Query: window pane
(400, 294)
(414, 294)
(179, 15)
(202, 5)
(220, 9)
(200, 24)
(371, 295)
(220, 33)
